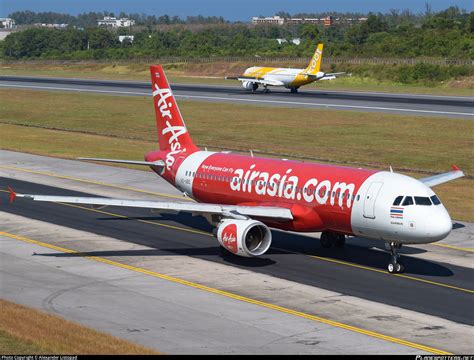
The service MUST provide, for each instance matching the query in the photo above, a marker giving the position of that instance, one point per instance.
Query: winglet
(455, 168)
(12, 195)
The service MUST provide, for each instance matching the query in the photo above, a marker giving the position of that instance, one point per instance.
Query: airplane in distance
(244, 196)
(290, 78)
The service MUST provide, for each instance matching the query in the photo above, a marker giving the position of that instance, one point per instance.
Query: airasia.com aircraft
(244, 195)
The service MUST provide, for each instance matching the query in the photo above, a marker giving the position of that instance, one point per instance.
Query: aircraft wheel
(392, 268)
(340, 240)
(254, 87)
(400, 268)
(326, 241)
(293, 90)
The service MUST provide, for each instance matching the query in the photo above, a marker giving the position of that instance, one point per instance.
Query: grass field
(72, 125)
(27, 331)
(214, 73)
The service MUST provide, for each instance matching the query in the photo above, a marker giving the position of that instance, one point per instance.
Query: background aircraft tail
(173, 136)
(315, 63)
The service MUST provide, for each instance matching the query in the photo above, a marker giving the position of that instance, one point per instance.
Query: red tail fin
(172, 132)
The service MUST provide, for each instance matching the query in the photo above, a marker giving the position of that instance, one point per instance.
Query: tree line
(446, 34)
(89, 19)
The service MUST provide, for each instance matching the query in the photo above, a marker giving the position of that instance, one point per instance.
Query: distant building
(126, 37)
(295, 41)
(113, 22)
(327, 21)
(7, 23)
(52, 26)
(275, 20)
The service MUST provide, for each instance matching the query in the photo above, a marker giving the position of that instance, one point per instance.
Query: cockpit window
(420, 200)
(398, 200)
(435, 200)
(408, 201)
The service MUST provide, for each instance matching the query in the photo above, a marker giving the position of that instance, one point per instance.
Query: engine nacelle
(244, 237)
(247, 85)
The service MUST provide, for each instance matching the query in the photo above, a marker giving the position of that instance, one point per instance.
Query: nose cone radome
(440, 226)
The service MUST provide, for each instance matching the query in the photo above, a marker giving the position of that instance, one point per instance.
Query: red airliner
(243, 196)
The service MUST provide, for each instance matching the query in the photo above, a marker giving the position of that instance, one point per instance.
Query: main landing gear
(331, 239)
(254, 87)
(394, 267)
(293, 89)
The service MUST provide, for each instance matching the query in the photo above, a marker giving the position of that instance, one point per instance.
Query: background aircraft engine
(247, 85)
(244, 237)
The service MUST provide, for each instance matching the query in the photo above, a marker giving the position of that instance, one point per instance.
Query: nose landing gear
(394, 267)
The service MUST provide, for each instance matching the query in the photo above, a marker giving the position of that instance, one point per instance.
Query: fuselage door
(370, 198)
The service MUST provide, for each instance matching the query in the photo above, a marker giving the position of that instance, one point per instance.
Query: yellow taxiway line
(453, 247)
(47, 173)
(227, 294)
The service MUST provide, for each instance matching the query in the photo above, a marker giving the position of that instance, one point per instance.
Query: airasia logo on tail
(173, 131)
(229, 238)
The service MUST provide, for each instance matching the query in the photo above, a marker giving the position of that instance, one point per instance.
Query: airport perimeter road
(407, 104)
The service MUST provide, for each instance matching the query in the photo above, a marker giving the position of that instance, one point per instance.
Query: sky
(241, 10)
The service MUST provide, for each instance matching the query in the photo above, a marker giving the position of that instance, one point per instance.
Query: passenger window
(408, 201)
(420, 200)
(398, 200)
(435, 200)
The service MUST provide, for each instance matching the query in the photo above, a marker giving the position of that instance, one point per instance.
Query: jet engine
(250, 85)
(244, 237)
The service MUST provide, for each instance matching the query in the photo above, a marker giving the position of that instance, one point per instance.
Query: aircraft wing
(326, 76)
(261, 81)
(336, 74)
(232, 211)
(158, 163)
(442, 178)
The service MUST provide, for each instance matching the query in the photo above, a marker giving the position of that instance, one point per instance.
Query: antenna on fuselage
(391, 170)
(251, 152)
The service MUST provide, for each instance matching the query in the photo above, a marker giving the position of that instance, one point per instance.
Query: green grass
(72, 125)
(214, 73)
(11, 345)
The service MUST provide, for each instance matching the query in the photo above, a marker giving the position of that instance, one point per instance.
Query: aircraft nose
(440, 226)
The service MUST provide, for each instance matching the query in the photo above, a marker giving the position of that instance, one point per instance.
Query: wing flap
(252, 211)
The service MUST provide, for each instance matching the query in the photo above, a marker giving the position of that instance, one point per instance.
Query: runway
(407, 104)
(425, 303)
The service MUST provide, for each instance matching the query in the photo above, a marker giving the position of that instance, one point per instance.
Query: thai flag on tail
(396, 212)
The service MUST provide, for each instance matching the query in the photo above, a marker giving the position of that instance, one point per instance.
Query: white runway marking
(244, 100)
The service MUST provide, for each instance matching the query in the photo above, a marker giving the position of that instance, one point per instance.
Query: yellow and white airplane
(290, 78)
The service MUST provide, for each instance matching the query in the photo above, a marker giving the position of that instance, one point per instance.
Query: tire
(340, 240)
(325, 241)
(293, 90)
(400, 268)
(391, 268)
